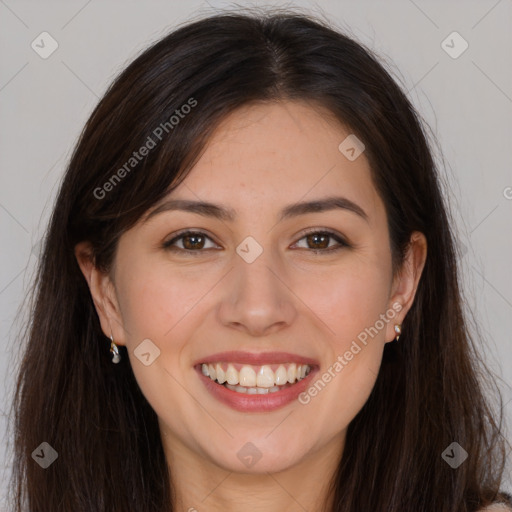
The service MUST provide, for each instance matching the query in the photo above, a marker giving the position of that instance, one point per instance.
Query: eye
(191, 242)
(319, 240)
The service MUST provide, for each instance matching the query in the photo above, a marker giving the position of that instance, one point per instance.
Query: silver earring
(116, 356)
(398, 331)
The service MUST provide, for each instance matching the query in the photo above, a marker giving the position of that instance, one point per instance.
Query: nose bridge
(258, 300)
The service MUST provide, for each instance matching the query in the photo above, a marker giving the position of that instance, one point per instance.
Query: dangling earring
(116, 357)
(398, 331)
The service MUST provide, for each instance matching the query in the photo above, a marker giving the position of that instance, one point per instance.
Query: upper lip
(256, 359)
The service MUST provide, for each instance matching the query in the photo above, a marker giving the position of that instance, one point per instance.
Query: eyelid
(340, 239)
(189, 231)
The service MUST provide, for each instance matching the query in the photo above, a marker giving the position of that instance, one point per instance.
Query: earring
(116, 357)
(398, 331)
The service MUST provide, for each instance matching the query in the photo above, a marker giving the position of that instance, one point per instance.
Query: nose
(257, 300)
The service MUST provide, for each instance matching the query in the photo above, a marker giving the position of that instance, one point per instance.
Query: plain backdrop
(466, 101)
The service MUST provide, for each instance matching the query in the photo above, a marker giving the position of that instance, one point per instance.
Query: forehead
(282, 152)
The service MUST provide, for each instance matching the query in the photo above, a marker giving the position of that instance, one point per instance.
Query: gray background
(467, 101)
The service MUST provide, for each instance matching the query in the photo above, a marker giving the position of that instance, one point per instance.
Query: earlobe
(102, 292)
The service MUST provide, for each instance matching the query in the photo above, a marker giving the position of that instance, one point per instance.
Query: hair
(429, 392)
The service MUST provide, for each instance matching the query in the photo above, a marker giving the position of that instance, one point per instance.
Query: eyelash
(342, 243)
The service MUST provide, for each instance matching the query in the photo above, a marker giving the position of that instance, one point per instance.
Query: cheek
(165, 305)
(338, 393)
(350, 298)
(353, 303)
(157, 307)
(153, 299)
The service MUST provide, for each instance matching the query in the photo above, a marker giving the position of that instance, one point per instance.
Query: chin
(256, 455)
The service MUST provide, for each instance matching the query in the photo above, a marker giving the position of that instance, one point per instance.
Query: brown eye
(189, 241)
(320, 242)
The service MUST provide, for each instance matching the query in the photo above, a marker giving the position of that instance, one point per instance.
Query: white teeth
(291, 373)
(212, 372)
(265, 378)
(221, 374)
(281, 376)
(260, 378)
(231, 375)
(252, 391)
(247, 377)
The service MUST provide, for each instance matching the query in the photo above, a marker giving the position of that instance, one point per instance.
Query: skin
(260, 159)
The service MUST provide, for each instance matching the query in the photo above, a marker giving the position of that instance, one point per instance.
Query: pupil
(315, 240)
(194, 243)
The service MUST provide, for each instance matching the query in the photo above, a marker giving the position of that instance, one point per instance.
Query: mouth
(256, 382)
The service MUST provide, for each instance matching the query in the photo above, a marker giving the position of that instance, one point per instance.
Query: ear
(103, 293)
(405, 283)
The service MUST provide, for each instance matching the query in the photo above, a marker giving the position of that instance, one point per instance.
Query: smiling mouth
(252, 380)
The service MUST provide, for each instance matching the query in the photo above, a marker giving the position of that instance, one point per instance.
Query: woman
(248, 298)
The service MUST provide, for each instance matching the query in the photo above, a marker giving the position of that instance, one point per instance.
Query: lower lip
(256, 403)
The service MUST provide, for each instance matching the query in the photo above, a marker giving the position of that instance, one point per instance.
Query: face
(266, 323)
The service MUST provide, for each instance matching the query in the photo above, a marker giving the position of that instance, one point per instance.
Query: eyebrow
(228, 214)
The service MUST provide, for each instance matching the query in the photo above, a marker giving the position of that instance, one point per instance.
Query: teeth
(221, 374)
(291, 373)
(281, 376)
(253, 391)
(265, 378)
(231, 375)
(247, 377)
(255, 379)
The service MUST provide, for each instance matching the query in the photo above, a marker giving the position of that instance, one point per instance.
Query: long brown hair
(429, 391)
